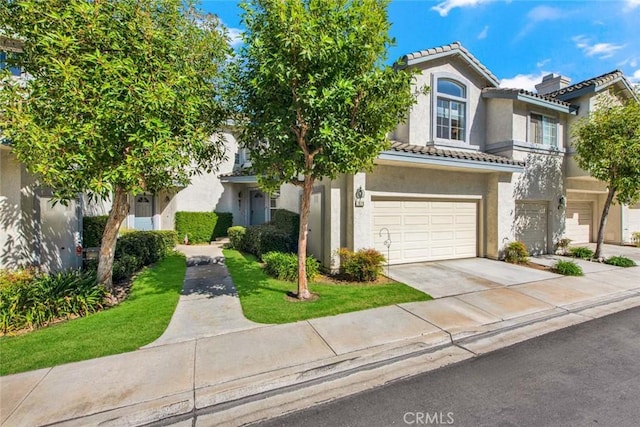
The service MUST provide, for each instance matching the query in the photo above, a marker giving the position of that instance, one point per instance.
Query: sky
(518, 40)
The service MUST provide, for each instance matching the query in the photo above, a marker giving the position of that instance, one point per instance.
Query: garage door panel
(579, 221)
(426, 230)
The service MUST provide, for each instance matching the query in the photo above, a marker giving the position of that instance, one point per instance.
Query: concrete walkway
(213, 367)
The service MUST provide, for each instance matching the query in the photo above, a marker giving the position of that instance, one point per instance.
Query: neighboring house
(33, 232)
(586, 195)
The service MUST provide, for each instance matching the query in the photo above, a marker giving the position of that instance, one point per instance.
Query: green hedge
(284, 266)
(202, 227)
(287, 221)
(260, 239)
(136, 249)
(92, 229)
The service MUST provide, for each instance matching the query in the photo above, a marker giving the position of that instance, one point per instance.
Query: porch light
(359, 197)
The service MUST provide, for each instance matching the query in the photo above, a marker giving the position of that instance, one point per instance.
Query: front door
(143, 212)
(257, 206)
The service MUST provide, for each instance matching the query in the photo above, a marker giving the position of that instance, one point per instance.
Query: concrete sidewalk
(213, 367)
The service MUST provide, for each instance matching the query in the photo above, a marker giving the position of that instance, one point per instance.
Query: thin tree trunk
(303, 290)
(119, 210)
(603, 222)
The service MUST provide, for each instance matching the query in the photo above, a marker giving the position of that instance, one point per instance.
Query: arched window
(451, 110)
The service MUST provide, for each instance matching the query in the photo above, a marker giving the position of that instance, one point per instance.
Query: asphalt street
(585, 375)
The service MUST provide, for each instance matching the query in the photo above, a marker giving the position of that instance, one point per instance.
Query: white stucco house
(33, 231)
(473, 167)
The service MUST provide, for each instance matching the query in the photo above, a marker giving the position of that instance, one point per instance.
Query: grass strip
(264, 300)
(137, 321)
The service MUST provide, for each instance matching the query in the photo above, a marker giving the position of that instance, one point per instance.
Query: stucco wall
(421, 128)
(500, 122)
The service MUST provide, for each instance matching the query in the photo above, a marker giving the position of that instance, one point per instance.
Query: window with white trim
(273, 202)
(451, 110)
(543, 130)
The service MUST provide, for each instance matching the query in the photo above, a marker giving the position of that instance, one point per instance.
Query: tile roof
(453, 48)
(595, 81)
(454, 154)
(238, 172)
(509, 91)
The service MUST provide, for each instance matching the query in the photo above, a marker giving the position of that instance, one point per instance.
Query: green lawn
(264, 299)
(139, 320)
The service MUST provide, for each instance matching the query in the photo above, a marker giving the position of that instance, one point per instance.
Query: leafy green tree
(121, 98)
(314, 94)
(607, 145)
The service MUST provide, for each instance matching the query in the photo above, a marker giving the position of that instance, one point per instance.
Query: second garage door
(425, 230)
(578, 223)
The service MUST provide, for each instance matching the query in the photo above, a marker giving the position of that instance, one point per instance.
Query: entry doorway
(143, 212)
(257, 206)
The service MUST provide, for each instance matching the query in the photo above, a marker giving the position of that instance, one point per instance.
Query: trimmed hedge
(236, 234)
(516, 253)
(136, 249)
(260, 239)
(92, 229)
(202, 227)
(287, 221)
(284, 266)
(362, 266)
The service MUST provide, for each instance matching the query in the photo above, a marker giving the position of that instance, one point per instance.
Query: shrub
(148, 246)
(202, 227)
(580, 252)
(34, 300)
(567, 268)
(236, 235)
(620, 261)
(260, 239)
(516, 253)
(284, 266)
(362, 266)
(92, 229)
(635, 237)
(286, 221)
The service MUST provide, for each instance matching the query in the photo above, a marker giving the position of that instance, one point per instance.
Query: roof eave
(414, 61)
(403, 156)
(530, 100)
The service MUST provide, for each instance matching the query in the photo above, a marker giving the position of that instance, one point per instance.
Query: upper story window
(4, 56)
(543, 130)
(451, 110)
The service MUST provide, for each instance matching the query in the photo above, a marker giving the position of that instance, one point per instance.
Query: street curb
(257, 398)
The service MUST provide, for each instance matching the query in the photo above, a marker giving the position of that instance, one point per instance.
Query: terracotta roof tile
(595, 81)
(510, 91)
(453, 154)
(455, 46)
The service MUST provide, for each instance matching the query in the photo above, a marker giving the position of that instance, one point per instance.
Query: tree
(314, 94)
(607, 144)
(122, 98)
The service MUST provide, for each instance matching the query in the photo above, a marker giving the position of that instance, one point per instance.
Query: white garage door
(633, 221)
(424, 230)
(579, 221)
(531, 226)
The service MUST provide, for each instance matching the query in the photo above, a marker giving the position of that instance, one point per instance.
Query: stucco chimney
(551, 83)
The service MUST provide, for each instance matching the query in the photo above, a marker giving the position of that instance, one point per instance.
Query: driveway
(456, 277)
(617, 250)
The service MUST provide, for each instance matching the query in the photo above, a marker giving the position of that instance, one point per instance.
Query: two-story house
(33, 231)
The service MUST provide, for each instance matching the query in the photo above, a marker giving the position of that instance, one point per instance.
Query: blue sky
(518, 40)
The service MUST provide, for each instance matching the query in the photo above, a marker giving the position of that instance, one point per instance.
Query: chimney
(551, 83)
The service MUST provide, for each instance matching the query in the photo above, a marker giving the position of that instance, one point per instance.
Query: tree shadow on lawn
(250, 279)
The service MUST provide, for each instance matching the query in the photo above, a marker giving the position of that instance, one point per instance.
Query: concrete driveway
(456, 277)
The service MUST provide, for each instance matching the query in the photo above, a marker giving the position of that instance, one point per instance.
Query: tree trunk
(603, 221)
(119, 210)
(303, 290)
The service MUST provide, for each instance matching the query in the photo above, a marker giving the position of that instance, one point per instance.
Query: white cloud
(601, 50)
(544, 13)
(632, 62)
(524, 81)
(235, 36)
(542, 63)
(483, 33)
(635, 78)
(444, 7)
(631, 4)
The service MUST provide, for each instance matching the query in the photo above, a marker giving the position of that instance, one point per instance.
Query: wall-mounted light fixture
(562, 202)
(359, 197)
